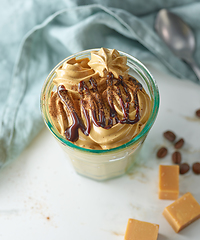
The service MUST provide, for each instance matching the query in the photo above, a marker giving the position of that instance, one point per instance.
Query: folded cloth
(36, 35)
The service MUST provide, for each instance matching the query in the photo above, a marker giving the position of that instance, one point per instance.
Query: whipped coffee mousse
(97, 104)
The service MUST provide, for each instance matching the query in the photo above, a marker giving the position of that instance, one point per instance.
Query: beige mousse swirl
(97, 105)
(72, 72)
(104, 61)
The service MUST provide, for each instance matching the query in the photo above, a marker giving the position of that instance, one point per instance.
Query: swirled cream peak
(72, 72)
(97, 104)
(105, 61)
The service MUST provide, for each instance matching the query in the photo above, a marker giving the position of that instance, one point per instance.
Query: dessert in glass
(100, 105)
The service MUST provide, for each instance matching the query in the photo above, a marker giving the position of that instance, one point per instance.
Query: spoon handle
(194, 67)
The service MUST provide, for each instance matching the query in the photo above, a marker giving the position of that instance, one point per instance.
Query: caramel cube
(139, 230)
(168, 182)
(182, 212)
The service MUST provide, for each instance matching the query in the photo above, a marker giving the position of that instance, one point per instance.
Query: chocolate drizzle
(90, 98)
(71, 132)
(99, 101)
(83, 88)
(124, 105)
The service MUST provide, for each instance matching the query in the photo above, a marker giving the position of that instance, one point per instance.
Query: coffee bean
(184, 168)
(196, 168)
(176, 157)
(162, 152)
(198, 113)
(179, 143)
(169, 136)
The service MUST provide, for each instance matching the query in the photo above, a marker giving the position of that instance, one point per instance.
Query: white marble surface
(41, 197)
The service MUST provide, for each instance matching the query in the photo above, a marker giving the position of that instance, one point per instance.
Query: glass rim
(144, 131)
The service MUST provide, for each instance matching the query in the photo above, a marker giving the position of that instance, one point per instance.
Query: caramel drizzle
(96, 105)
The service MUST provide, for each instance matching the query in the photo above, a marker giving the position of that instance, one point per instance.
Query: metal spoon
(178, 36)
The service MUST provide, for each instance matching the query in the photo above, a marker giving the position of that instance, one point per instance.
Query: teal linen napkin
(36, 35)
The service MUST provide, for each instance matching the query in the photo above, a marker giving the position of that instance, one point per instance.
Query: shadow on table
(162, 237)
